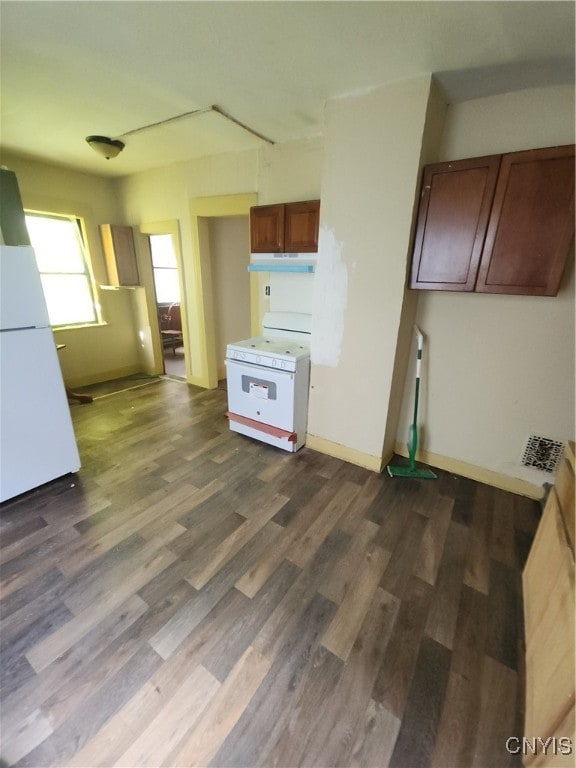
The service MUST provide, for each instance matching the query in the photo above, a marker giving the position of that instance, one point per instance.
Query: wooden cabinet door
(120, 254)
(301, 227)
(531, 225)
(267, 228)
(453, 216)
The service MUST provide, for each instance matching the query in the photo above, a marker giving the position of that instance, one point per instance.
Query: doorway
(229, 239)
(199, 288)
(168, 303)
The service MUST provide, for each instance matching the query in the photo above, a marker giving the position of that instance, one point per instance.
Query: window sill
(80, 326)
(119, 287)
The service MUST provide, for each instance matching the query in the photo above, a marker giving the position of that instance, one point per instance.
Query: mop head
(424, 474)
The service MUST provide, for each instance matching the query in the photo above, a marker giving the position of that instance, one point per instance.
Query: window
(61, 258)
(165, 269)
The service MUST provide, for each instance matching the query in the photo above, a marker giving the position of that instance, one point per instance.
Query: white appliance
(37, 441)
(268, 379)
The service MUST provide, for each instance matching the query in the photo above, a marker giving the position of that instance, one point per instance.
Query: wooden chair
(171, 326)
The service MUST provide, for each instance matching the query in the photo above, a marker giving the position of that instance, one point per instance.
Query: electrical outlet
(267, 291)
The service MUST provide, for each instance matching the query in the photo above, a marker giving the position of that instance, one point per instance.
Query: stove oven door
(262, 394)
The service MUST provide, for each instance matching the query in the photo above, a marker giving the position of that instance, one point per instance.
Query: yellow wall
(128, 342)
(182, 192)
(287, 173)
(198, 190)
(290, 172)
(93, 353)
(497, 368)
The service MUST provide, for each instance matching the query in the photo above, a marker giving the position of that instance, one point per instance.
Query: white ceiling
(70, 69)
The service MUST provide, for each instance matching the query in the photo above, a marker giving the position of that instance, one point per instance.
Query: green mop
(411, 470)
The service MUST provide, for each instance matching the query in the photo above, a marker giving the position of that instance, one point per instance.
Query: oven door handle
(292, 437)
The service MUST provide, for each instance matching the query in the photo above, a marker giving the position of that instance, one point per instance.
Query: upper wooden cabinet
(301, 227)
(452, 219)
(267, 228)
(285, 227)
(120, 254)
(499, 224)
(532, 223)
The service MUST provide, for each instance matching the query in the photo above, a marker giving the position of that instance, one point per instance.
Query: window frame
(175, 270)
(87, 273)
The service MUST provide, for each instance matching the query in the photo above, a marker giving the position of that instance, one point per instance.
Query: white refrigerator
(37, 441)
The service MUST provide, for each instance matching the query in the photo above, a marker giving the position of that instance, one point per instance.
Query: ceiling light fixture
(106, 147)
(109, 148)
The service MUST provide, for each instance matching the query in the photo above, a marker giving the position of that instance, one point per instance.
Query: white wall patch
(329, 300)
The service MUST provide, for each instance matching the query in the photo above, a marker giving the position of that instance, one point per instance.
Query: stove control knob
(274, 363)
(283, 364)
(239, 355)
(258, 359)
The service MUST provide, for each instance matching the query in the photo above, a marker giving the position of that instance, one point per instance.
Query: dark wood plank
(269, 709)
(253, 579)
(343, 630)
(392, 685)
(441, 623)
(22, 703)
(224, 710)
(399, 570)
(459, 720)
(304, 548)
(337, 583)
(18, 637)
(294, 744)
(376, 736)
(463, 491)
(21, 531)
(170, 636)
(26, 568)
(496, 716)
(477, 573)
(87, 720)
(432, 545)
(52, 582)
(504, 601)
(502, 539)
(329, 745)
(287, 614)
(415, 743)
(245, 617)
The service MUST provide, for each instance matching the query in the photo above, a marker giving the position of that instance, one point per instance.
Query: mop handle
(420, 339)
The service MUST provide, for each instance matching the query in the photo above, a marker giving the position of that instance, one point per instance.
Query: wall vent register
(543, 453)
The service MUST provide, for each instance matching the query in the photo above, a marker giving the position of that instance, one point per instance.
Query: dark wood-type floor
(194, 597)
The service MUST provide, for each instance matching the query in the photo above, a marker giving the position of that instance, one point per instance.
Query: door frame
(170, 227)
(199, 289)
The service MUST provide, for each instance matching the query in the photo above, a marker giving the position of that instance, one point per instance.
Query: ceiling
(70, 69)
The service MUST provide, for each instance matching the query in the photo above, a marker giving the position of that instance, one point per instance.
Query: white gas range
(268, 379)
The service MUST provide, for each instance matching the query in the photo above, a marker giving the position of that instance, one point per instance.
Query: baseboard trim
(339, 451)
(481, 475)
